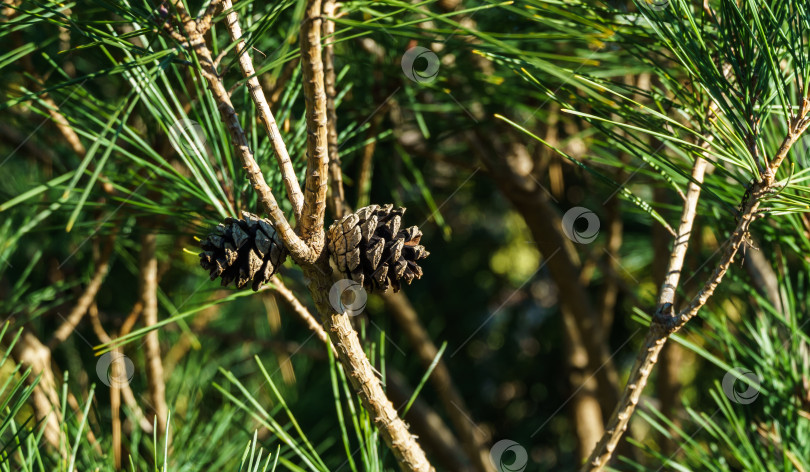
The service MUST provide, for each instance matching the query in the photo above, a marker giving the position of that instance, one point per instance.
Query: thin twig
(154, 363)
(278, 286)
(78, 311)
(257, 94)
(298, 249)
(654, 341)
(665, 322)
(126, 389)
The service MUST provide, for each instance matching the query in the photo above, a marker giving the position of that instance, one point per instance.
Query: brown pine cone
(369, 247)
(243, 250)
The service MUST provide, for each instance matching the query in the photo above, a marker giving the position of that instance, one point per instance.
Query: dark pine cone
(243, 250)
(369, 247)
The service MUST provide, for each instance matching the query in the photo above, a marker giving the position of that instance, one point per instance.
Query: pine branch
(308, 251)
(154, 363)
(85, 300)
(257, 94)
(299, 250)
(336, 195)
(408, 453)
(278, 286)
(665, 322)
(312, 217)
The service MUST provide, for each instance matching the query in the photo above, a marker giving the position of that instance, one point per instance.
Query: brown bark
(408, 453)
(336, 195)
(154, 362)
(591, 374)
(585, 409)
(118, 390)
(312, 217)
(257, 94)
(30, 352)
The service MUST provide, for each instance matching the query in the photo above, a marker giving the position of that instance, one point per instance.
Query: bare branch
(292, 242)
(76, 315)
(154, 363)
(337, 198)
(257, 94)
(278, 286)
(29, 351)
(204, 23)
(125, 388)
(655, 339)
(665, 322)
(312, 216)
(394, 431)
(308, 250)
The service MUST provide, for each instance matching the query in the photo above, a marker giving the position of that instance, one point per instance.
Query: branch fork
(307, 240)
